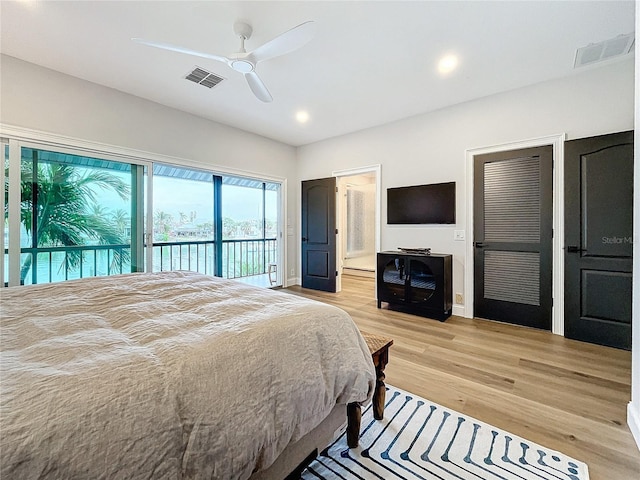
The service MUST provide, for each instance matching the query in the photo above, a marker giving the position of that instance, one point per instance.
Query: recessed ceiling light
(447, 64)
(302, 116)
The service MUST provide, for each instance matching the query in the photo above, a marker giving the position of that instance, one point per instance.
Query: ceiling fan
(246, 63)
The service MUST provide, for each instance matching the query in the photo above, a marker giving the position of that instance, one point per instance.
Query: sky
(174, 195)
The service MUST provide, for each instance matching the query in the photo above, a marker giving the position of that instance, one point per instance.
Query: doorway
(340, 230)
(319, 232)
(557, 143)
(357, 221)
(599, 239)
(513, 248)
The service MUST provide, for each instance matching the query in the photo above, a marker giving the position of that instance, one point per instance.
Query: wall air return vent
(598, 52)
(204, 78)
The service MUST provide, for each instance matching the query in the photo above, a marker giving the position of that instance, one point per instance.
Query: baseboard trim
(292, 281)
(358, 272)
(458, 310)
(633, 420)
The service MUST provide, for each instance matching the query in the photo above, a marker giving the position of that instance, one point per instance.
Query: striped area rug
(421, 440)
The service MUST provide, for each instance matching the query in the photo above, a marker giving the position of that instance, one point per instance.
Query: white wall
(430, 148)
(633, 412)
(41, 99)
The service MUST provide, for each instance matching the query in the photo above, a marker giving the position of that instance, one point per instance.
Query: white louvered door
(513, 236)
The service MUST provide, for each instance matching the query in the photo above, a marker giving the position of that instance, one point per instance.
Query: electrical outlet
(458, 235)
(293, 272)
(459, 299)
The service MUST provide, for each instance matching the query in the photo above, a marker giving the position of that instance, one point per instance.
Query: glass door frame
(14, 221)
(281, 235)
(4, 145)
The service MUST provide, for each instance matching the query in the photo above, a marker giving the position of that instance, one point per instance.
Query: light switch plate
(458, 235)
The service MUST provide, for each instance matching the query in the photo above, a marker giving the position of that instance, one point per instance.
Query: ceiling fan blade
(257, 87)
(287, 42)
(174, 48)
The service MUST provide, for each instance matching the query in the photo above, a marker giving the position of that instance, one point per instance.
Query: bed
(172, 375)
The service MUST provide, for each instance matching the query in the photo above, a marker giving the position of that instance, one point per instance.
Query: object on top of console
(424, 251)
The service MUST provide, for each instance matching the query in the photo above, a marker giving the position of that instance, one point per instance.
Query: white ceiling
(369, 63)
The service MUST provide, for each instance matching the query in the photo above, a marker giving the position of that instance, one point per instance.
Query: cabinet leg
(379, 304)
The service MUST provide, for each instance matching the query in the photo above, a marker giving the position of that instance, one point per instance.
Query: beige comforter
(172, 375)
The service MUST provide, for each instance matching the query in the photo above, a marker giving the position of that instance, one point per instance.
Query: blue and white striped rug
(421, 440)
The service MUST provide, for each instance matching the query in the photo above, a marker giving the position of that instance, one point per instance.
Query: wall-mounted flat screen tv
(422, 204)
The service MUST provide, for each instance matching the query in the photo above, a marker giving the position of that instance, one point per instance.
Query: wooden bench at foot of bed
(379, 348)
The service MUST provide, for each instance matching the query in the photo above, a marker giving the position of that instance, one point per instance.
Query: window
(79, 216)
(70, 214)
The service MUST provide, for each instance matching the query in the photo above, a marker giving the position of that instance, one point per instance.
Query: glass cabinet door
(394, 276)
(422, 282)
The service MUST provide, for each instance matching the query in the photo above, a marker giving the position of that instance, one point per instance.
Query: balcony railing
(240, 258)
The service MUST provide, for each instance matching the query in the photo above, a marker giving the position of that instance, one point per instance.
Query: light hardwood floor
(566, 395)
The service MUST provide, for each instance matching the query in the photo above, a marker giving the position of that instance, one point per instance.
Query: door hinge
(336, 231)
(336, 189)
(336, 273)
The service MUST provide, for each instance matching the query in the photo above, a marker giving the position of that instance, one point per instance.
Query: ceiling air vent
(597, 52)
(204, 78)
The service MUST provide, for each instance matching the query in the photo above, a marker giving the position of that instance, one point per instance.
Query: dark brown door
(513, 222)
(598, 239)
(319, 234)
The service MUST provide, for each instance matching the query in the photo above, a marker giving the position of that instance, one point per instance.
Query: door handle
(575, 249)
(304, 239)
(478, 244)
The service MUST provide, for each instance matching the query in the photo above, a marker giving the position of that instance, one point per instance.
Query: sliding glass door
(78, 216)
(70, 214)
(250, 226)
(219, 225)
(184, 220)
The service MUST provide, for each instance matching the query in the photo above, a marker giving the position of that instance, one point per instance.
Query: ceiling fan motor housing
(243, 30)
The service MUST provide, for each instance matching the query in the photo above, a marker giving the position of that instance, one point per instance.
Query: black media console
(415, 283)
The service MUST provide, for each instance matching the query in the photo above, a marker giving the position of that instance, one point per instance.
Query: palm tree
(246, 228)
(110, 233)
(66, 213)
(121, 220)
(229, 227)
(162, 223)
